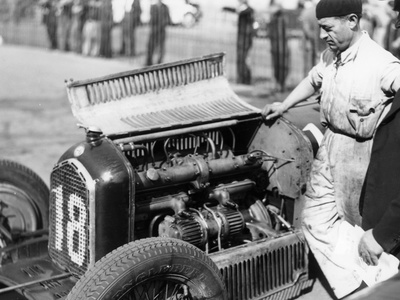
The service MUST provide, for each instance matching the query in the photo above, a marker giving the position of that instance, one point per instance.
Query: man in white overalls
(357, 79)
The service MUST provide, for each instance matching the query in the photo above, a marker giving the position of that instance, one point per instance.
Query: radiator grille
(69, 219)
(266, 270)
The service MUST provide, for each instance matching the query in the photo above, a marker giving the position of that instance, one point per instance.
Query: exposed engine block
(172, 151)
(196, 189)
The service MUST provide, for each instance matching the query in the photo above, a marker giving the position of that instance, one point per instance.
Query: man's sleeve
(391, 77)
(316, 74)
(387, 231)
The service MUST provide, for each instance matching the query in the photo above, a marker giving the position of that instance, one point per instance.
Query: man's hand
(369, 249)
(273, 110)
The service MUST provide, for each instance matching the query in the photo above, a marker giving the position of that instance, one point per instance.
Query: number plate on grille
(69, 241)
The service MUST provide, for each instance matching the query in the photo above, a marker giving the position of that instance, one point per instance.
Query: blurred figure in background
(244, 39)
(49, 10)
(159, 20)
(279, 44)
(78, 19)
(368, 20)
(106, 24)
(91, 29)
(314, 44)
(129, 23)
(392, 37)
(64, 24)
(377, 16)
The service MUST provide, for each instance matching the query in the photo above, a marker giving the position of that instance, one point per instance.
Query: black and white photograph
(199, 149)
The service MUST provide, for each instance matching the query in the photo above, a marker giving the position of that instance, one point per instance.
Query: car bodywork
(172, 151)
(182, 12)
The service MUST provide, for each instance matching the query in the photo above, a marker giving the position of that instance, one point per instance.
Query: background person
(91, 29)
(130, 22)
(356, 78)
(379, 15)
(244, 40)
(159, 20)
(64, 24)
(314, 45)
(78, 18)
(106, 25)
(49, 10)
(392, 37)
(280, 52)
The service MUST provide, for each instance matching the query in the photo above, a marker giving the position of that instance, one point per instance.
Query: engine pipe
(223, 192)
(175, 202)
(196, 170)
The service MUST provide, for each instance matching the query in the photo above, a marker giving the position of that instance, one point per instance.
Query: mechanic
(357, 79)
(380, 196)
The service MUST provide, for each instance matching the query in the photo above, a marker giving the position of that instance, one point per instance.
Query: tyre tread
(25, 178)
(122, 258)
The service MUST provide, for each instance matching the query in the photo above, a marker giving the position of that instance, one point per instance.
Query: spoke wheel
(24, 199)
(154, 268)
(161, 288)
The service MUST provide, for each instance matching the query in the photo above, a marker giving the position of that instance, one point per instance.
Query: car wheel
(188, 20)
(153, 268)
(24, 201)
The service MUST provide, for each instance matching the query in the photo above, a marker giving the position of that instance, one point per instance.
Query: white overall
(355, 95)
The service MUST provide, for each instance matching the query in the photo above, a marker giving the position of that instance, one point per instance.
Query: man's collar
(350, 53)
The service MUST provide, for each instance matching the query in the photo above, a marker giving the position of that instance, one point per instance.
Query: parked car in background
(263, 10)
(184, 13)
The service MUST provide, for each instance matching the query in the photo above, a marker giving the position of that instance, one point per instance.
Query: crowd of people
(84, 26)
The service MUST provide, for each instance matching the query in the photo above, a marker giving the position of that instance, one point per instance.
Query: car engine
(172, 151)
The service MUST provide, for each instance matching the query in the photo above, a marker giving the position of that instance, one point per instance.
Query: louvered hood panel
(164, 96)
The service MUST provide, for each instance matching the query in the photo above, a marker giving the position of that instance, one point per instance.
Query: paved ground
(37, 126)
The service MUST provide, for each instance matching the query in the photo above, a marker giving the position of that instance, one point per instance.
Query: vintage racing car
(180, 190)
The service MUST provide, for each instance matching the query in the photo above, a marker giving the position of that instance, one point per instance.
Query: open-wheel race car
(180, 190)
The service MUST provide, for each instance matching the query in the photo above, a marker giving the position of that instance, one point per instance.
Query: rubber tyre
(147, 265)
(25, 185)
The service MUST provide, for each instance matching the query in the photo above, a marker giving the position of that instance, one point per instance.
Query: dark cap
(338, 8)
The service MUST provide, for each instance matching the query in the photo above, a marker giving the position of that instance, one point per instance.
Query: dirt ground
(36, 123)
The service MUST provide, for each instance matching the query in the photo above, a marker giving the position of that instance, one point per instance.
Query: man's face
(336, 33)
